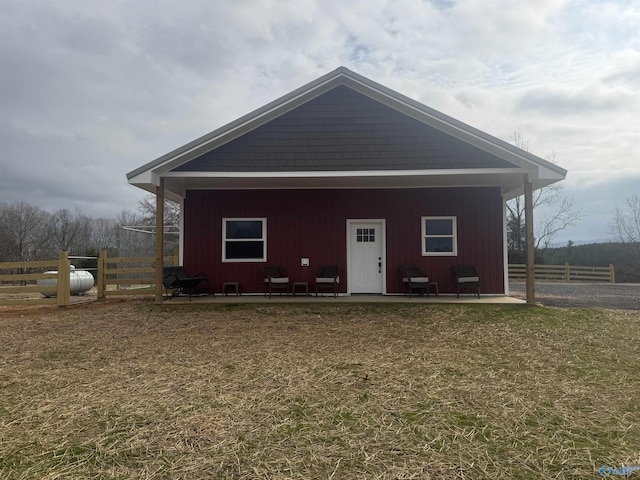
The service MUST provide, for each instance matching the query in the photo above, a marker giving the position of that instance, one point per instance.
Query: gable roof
(340, 131)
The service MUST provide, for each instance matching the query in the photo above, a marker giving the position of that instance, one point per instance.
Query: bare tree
(625, 228)
(625, 225)
(560, 213)
(130, 240)
(104, 233)
(29, 233)
(6, 241)
(24, 235)
(147, 208)
(70, 231)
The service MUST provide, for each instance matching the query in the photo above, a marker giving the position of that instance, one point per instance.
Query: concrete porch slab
(441, 299)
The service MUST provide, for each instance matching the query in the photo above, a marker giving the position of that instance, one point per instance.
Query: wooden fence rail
(22, 277)
(128, 275)
(115, 276)
(565, 273)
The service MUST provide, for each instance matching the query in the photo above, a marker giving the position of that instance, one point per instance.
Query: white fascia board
(345, 173)
(149, 181)
(545, 173)
(145, 177)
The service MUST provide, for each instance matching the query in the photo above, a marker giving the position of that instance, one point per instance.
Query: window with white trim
(244, 239)
(439, 236)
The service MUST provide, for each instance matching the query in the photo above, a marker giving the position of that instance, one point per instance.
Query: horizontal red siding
(312, 224)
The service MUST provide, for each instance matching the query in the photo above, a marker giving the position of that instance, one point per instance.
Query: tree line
(619, 254)
(29, 233)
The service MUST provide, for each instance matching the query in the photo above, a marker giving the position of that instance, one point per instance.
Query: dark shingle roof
(342, 130)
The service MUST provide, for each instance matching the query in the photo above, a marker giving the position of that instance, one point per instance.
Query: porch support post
(528, 222)
(159, 239)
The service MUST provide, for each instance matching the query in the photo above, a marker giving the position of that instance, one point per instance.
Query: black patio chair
(328, 278)
(414, 279)
(179, 282)
(275, 279)
(467, 278)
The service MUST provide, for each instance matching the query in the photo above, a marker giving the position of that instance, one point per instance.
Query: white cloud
(92, 90)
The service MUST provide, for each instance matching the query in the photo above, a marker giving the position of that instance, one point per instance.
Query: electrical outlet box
(304, 262)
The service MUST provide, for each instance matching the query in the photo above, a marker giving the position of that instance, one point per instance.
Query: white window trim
(454, 235)
(225, 240)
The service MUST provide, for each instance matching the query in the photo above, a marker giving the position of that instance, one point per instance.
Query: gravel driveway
(602, 295)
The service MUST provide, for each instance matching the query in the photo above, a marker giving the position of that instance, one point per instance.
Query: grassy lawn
(136, 390)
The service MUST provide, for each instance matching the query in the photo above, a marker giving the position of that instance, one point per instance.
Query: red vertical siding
(312, 224)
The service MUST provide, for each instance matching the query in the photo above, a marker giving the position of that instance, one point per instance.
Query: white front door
(366, 252)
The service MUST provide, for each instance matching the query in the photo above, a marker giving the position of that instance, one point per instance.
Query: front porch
(382, 299)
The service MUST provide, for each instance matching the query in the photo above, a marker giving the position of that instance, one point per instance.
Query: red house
(345, 171)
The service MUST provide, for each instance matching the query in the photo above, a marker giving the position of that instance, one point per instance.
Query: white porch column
(159, 239)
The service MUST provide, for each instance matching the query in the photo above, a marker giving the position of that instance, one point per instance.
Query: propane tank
(80, 281)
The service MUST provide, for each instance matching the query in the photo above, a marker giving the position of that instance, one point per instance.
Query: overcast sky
(90, 90)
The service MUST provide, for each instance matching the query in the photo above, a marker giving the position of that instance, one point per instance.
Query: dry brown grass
(135, 390)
